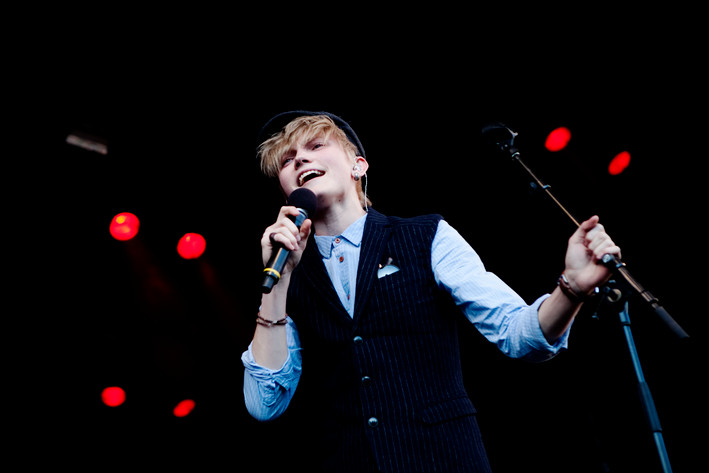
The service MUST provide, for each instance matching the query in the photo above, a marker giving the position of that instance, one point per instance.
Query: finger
(305, 230)
(281, 233)
(597, 240)
(610, 249)
(579, 236)
(597, 231)
(285, 237)
(287, 210)
(614, 250)
(589, 224)
(284, 231)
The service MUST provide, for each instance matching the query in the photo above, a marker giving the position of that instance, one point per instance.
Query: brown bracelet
(270, 323)
(566, 288)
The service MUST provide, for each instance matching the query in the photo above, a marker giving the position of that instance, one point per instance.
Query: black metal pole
(648, 404)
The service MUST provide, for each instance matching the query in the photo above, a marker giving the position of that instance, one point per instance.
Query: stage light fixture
(191, 245)
(619, 163)
(557, 139)
(124, 226)
(113, 396)
(183, 408)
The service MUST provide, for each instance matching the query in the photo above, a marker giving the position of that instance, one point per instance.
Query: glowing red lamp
(113, 396)
(191, 245)
(619, 163)
(124, 226)
(557, 139)
(183, 408)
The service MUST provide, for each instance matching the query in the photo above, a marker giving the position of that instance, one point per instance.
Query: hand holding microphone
(288, 234)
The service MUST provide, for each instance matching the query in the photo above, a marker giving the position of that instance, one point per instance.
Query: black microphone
(306, 203)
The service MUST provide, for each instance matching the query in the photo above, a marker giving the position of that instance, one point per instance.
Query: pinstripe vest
(384, 387)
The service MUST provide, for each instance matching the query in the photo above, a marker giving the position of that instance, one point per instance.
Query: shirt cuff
(272, 388)
(271, 382)
(542, 350)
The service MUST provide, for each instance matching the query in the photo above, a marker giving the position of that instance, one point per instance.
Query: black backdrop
(180, 114)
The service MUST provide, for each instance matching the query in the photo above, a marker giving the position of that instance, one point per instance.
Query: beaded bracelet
(566, 288)
(269, 323)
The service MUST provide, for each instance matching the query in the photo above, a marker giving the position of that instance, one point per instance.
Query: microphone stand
(503, 139)
(619, 298)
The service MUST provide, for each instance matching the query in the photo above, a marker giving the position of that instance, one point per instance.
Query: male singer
(366, 309)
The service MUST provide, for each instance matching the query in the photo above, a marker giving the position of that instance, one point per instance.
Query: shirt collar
(353, 234)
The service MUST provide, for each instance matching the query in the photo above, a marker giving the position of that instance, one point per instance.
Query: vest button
(373, 422)
(358, 340)
(366, 381)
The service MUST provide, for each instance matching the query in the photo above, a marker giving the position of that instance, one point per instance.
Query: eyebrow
(318, 137)
(292, 150)
(288, 153)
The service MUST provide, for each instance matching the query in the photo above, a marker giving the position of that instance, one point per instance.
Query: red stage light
(113, 396)
(619, 163)
(124, 226)
(183, 408)
(191, 245)
(558, 139)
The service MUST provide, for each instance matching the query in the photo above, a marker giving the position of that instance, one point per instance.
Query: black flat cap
(276, 123)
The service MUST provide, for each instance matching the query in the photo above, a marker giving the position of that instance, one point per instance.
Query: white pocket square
(387, 269)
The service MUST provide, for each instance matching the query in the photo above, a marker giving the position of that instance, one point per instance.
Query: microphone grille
(305, 199)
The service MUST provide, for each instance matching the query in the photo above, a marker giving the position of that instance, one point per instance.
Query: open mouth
(309, 175)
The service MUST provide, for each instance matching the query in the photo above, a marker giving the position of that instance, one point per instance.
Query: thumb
(305, 229)
(588, 225)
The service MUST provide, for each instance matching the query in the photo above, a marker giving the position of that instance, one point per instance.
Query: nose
(300, 160)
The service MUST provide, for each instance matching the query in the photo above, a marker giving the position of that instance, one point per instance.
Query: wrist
(571, 291)
(270, 323)
(273, 304)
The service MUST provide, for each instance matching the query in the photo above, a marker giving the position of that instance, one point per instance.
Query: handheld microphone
(306, 203)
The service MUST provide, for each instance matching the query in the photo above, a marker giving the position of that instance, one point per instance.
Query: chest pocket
(403, 299)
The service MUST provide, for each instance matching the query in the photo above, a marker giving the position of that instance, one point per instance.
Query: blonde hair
(301, 130)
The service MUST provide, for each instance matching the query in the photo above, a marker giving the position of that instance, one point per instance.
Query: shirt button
(342, 258)
(372, 422)
(358, 340)
(366, 381)
(337, 240)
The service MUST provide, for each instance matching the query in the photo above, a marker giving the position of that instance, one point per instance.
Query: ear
(362, 164)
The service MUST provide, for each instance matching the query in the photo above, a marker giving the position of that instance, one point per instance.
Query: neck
(337, 217)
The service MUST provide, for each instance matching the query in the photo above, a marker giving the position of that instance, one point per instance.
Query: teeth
(304, 177)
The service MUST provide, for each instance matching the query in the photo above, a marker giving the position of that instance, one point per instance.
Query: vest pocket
(447, 410)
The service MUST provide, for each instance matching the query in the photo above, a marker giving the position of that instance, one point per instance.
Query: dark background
(180, 108)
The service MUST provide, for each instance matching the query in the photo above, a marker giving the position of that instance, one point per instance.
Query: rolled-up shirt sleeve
(495, 309)
(267, 392)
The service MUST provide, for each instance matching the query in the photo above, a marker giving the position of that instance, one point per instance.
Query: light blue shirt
(496, 310)
(341, 257)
